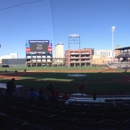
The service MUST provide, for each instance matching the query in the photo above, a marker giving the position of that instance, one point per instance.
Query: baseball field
(101, 79)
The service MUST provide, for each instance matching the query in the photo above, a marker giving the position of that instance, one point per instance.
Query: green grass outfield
(101, 82)
(52, 68)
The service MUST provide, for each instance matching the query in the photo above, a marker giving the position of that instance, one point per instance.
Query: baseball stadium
(102, 102)
(80, 83)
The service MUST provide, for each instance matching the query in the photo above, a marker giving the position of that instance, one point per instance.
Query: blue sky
(92, 19)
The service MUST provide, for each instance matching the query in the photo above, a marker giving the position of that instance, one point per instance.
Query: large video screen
(39, 46)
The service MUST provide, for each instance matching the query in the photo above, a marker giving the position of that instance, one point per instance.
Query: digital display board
(34, 46)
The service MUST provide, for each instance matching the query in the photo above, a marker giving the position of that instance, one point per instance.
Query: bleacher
(123, 55)
(121, 60)
(18, 113)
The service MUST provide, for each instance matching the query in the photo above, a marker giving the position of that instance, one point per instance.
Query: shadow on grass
(102, 83)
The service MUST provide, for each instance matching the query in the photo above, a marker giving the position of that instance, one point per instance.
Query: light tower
(73, 39)
(112, 29)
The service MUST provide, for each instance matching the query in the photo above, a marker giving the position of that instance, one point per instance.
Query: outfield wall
(14, 62)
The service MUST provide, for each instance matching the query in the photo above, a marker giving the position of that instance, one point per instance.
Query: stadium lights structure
(113, 29)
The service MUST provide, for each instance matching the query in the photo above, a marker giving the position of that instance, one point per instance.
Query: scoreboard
(38, 50)
(34, 46)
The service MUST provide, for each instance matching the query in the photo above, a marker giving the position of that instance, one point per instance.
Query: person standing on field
(16, 71)
(5, 71)
(25, 71)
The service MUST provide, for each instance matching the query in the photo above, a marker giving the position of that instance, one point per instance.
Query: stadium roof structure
(123, 48)
(123, 55)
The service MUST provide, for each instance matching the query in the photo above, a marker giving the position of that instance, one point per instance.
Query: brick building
(79, 57)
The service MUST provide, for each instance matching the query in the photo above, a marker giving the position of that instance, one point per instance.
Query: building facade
(105, 56)
(79, 57)
(59, 54)
(10, 56)
(59, 50)
(104, 53)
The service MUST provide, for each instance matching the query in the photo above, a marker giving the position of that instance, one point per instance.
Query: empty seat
(14, 123)
(34, 127)
(107, 124)
(59, 126)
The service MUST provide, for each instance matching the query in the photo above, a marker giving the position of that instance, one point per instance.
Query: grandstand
(122, 60)
(22, 114)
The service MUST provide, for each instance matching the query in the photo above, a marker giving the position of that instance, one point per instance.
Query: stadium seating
(19, 113)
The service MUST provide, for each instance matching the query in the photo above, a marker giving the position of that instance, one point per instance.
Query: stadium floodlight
(113, 29)
(74, 35)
